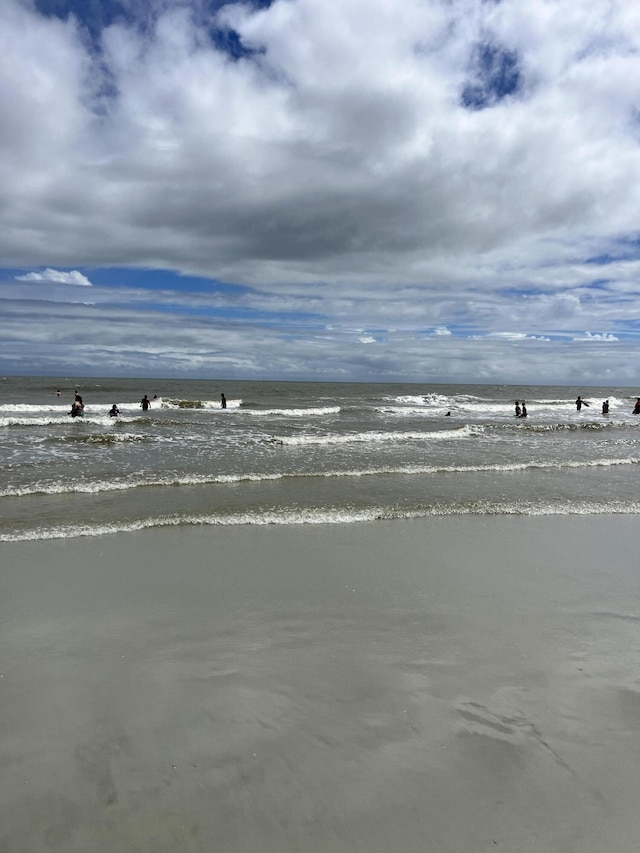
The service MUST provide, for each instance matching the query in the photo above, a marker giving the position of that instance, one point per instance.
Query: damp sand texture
(444, 684)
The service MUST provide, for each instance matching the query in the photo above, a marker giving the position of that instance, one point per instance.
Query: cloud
(57, 276)
(443, 176)
(588, 336)
(340, 148)
(138, 336)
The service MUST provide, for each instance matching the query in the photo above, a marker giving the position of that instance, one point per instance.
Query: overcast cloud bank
(425, 191)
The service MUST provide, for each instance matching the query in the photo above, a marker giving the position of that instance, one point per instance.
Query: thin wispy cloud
(446, 178)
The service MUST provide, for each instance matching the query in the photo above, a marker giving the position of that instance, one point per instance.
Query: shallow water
(291, 452)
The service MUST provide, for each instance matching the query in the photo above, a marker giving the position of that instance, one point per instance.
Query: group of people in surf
(521, 408)
(605, 406)
(145, 404)
(77, 407)
(580, 403)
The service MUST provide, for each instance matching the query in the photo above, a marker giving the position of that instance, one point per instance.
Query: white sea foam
(118, 438)
(409, 411)
(293, 413)
(23, 421)
(127, 483)
(423, 400)
(372, 436)
(170, 403)
(34, 408)
(314, 516)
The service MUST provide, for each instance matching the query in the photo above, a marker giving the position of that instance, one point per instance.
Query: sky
(362, 190)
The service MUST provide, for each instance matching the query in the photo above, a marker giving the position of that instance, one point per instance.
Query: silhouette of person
(636, 408)
(77, 407)
(524, 410)
(223, 401)
(518, 409)
(605, 407)
(580, 403)
(114, 411)
(145, 403)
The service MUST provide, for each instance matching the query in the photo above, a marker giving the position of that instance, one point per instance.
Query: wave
(93, 409)
(173, 403)
(240, 407)
(405, 411)
(571, 426)
(62, 417)
(64, 420)
(295, 413)
(109, 438)
(523, 425)
(96, 420)
(15, 421)
(125, 484)
(33, 408)
(422, 400)
(371, 437)
(314, 516)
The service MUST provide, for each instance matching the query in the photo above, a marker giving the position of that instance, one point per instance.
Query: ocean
(303, 453)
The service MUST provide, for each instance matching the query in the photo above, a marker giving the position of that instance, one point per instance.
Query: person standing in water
(518, 409)
(77, 407)
(223, 401)
(605, 407)
(145, 403)
(524, 410)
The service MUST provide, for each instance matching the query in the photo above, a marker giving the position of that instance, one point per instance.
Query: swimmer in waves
(77, 407)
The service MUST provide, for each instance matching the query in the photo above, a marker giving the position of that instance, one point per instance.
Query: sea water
(303, 453)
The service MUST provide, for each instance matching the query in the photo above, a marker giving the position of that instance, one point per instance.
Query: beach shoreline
(448, 684)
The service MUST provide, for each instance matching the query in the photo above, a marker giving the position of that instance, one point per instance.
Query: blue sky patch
(95, 15)
(494, 75)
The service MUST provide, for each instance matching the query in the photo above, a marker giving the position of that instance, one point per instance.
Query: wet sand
(450, 684)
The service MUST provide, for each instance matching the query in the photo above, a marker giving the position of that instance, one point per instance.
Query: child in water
(77, 407)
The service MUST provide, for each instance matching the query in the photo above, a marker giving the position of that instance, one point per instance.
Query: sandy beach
(448, 684)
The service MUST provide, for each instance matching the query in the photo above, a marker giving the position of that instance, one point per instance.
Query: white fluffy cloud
(57, 276)
(341, 150)
(453, 170)
(596, 336)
